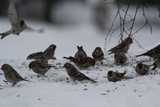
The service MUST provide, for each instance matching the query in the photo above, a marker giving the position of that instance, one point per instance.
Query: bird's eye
(22, 23)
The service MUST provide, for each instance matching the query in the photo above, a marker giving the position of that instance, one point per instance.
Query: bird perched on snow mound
(80, 53)
(116, 76)
(44, 56)
(18, 25)
(98, 55)
(120, 58)
(11, 75)
(122, 47)
(82, 62)
(39, 68)
(75, 74)
(142, 69)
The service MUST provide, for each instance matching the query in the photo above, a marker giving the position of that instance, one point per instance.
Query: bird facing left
(11, 74)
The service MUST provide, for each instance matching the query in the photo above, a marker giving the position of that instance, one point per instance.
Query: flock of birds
(40, 63)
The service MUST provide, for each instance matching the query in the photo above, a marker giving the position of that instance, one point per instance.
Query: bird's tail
(66, 57)
(126, 77)
(91, 80)
(26, 80)
(3, 35)
(141, 55)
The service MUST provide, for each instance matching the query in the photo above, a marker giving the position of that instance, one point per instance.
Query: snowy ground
(55, 90)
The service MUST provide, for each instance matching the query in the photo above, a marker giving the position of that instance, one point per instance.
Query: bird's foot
(5, 81)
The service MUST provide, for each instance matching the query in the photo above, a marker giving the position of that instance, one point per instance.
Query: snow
(58, 91)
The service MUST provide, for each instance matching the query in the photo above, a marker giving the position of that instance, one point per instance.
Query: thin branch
(131, 28)
(138, 43)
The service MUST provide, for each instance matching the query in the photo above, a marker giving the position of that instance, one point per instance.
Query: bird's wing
(12, 13)
(120, 75)
(121, 46)
(156, 49)
(34, 30)
(16, 74)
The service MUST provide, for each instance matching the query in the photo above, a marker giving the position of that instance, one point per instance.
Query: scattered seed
(85, 89)
(108, 91)
(103, 93)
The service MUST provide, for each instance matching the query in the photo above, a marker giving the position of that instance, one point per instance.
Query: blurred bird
(49, 52)
(75, 74)
(142, 69)
(153, 53)
(156, 64)
(115, 76)
(39, 68)
(34, 55)
(18, 25)
(42, 59)
(98, 55)
(122, 47)
(11, 75)
(82, 62)
(120, 58)
(80, 53)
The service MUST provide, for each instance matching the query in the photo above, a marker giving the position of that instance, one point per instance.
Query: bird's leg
(44, 75)
(5, 81)
(38, 75)
(13, 84)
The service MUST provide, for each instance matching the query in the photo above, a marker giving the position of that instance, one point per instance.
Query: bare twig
(138, 43)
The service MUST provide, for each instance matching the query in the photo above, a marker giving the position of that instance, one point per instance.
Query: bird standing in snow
(115, 76)
(80, 53)
(98, 55)
(11, 75)
(142, 69)
(18, 25)
(49, 52)
(75, 74)
(120, 58)
(82, 62)
(39, 68)
(122, 47)
(153, 53)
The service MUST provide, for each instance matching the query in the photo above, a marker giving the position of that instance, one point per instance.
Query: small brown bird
(39, 68)
(42, 59)
(80, 53)
(120, 58)
(156, 64)
(115, 76)
(98, 55)
(75, 74)
(153, 53)
(11, 75)
(82, 62)
(142, 69)
(49, 52)
(34, 55)
(122, 47)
